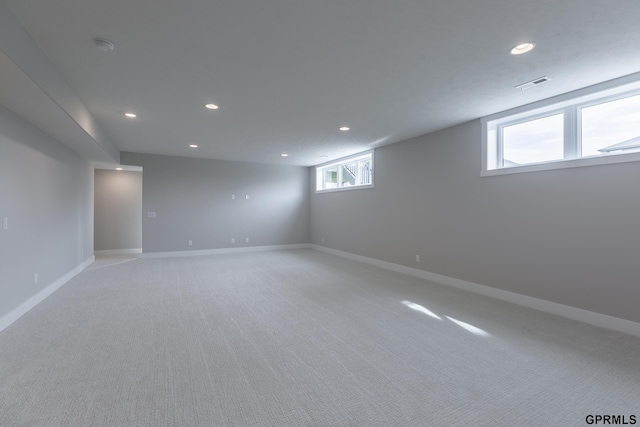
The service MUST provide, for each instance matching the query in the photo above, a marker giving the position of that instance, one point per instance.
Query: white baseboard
(574, 313)
(224, 251)
(23, 308)
(119, 251)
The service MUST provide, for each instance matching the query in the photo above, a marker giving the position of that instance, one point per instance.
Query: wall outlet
(233, 197)
(151, 214)
(417, 258)
(246, 197)
(35, 278)
(190, 242)
(246, 239)
(5, 223)
(233, 240)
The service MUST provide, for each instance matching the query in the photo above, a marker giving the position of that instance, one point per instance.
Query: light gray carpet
(300, 338)
(110, 260)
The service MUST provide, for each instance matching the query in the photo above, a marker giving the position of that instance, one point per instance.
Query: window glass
(592, 126)
(611, 127)
(534, 141)
(351, 172)
(331, 178)
(365, 171)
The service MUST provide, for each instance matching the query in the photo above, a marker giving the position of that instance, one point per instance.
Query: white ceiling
(288, 73)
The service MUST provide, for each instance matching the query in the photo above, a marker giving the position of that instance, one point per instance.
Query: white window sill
(564, 164)
(353, 187)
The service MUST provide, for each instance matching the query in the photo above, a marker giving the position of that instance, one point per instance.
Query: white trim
(23, 308)
(351, 187)
(574, 313)
(565, 164)
(224, 251)
(119, 251)
(569, 102)
(319, 169)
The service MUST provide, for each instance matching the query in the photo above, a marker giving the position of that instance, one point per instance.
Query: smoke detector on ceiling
(104, 45)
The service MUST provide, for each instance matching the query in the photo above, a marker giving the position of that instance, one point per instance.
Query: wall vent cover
(533, 83)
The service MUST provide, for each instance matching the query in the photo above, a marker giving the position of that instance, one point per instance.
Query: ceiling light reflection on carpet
(131, 115)
(421, 309)
(468, 327)
(212, 106)
(344, 128)
(284, 155)
(118, 169)
(522, 48)
(193, 145)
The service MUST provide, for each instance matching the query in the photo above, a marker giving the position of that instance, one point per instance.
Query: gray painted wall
(46, 192)
(118, 210)
(192, 201)
(569, 236)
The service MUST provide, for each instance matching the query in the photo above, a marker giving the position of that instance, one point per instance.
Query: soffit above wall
(32, 89)
(287, 74)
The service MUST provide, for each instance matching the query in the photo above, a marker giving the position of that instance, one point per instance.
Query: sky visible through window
(603, 125)
(610, 123)
(534, 141)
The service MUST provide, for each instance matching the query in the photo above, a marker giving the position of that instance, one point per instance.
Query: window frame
(513, 122)
(571, 105)
(339, 163)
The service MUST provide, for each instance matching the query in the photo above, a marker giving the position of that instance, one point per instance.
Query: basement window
(592, 126)
(349, 173)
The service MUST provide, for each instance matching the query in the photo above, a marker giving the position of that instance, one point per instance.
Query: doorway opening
(117, 211)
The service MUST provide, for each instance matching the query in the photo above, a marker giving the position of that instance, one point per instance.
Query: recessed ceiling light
(104, 45)
(130, 115)
(212, 106)
(522, 48)
(284, 155)
(118, 169)
(344, 128)
(193, 145)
